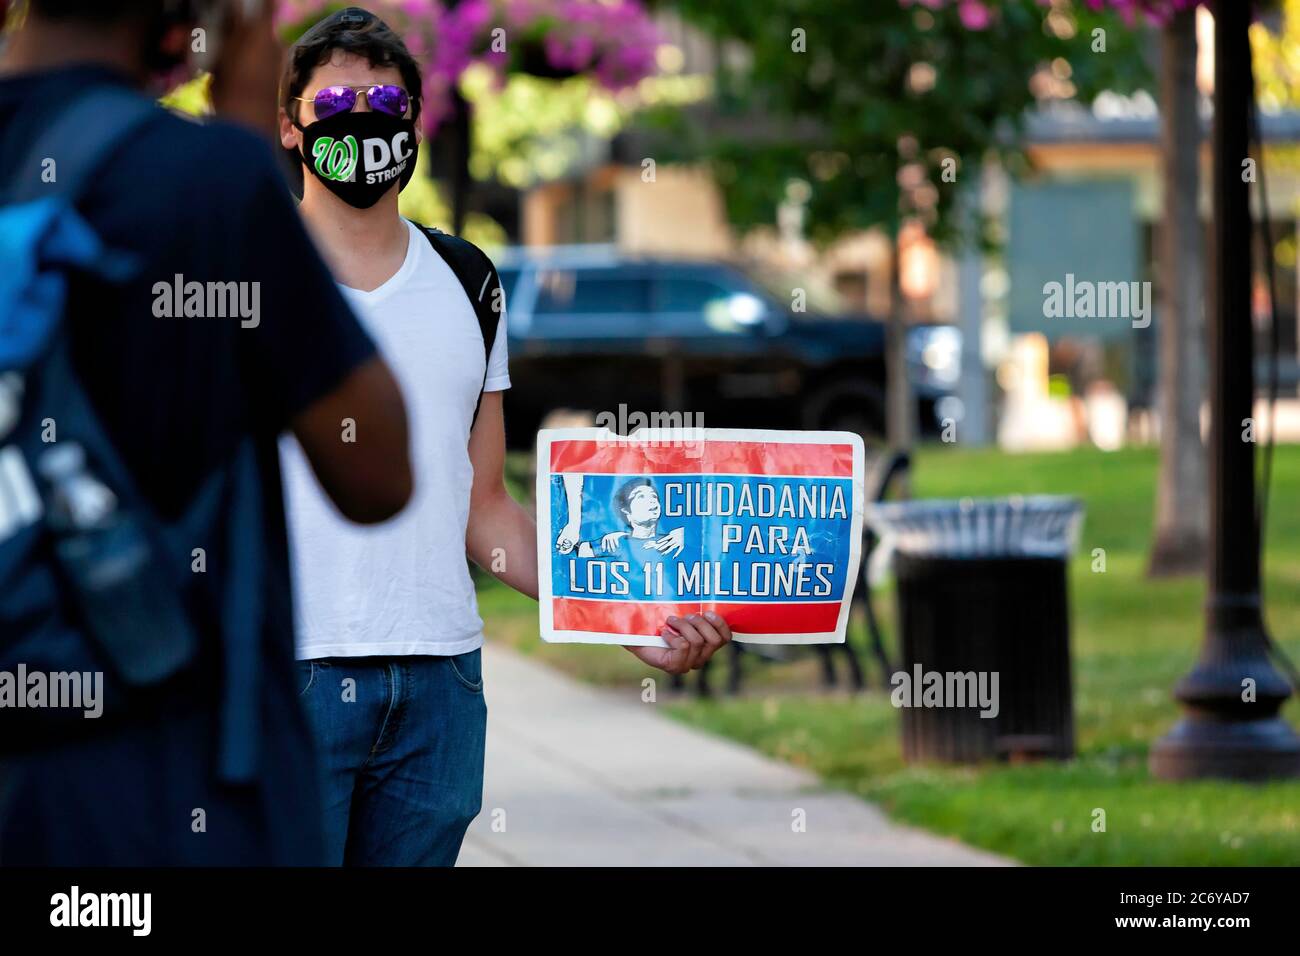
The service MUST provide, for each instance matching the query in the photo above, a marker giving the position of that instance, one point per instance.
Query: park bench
(887, 471)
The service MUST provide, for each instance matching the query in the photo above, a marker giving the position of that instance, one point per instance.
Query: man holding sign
(389, 634)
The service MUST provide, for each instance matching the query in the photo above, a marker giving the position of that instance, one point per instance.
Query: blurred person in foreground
(394, 608)
(211, 765)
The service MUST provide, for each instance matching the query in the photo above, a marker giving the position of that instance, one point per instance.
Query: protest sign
(763, 527)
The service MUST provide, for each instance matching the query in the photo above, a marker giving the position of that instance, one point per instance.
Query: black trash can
(983, 612)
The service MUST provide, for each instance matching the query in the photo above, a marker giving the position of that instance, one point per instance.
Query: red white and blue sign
(763, 527)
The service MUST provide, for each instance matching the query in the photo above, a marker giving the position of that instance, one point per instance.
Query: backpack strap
(81, 137)
(40, 227)
(478, 277)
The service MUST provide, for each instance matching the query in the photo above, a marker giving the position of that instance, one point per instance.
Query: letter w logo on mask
(336, 159)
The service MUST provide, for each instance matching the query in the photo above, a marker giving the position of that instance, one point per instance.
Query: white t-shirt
(401, 587)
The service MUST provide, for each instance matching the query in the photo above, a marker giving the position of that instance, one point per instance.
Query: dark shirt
(178, 396)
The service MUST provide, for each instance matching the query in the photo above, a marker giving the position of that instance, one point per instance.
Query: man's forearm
(573, 498)
(502, 539)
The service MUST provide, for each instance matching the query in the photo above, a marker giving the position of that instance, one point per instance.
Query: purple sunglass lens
(388, 99)
(330, 100)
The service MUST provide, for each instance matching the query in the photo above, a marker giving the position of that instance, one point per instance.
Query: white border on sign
(546, 436)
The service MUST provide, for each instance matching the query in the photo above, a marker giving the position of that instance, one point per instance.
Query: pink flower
(1156, 12)
(974, 15)
(614, 40)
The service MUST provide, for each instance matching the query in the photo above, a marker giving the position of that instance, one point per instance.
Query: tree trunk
(460, 181)
(1182, 502)
(900, 404)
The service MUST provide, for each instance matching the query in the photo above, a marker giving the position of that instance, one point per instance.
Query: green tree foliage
(1276, 57)
(870, 103)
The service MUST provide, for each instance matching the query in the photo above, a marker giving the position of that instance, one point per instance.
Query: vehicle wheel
(849, 407)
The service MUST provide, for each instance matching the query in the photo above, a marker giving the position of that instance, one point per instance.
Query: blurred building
(1090, 211)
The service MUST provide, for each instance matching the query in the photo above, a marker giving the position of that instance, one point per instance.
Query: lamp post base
(1208, 747)
(1232, 726)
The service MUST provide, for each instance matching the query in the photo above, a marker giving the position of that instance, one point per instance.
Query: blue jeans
(400, 744)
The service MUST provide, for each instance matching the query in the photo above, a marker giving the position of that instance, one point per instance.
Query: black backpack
(478, 277)
(91, 580)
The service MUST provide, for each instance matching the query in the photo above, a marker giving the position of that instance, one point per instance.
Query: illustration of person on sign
(637, 505)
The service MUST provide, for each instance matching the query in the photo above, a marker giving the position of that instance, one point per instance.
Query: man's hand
(671, 544)
(691, 642)
(568, 538)
(610, 542)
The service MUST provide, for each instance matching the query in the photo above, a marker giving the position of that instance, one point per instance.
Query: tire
(848, 406)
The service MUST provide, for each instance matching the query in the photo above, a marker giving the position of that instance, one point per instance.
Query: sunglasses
(332, 100)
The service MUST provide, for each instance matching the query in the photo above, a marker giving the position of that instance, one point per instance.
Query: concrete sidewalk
(579, 776)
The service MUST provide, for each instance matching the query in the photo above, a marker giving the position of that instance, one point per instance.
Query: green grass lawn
(1132, 638)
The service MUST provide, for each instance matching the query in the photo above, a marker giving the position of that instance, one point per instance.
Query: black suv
(592, 329)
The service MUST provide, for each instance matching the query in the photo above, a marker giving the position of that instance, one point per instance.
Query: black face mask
(359, 156)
